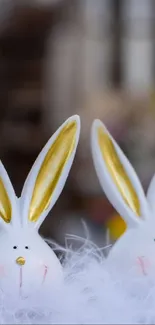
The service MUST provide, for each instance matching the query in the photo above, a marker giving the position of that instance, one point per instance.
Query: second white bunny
(135, 250)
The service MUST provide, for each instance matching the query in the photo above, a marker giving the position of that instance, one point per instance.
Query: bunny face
(26, 261)
(135, 249)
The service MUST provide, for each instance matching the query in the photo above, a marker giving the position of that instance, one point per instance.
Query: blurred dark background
(95, 58)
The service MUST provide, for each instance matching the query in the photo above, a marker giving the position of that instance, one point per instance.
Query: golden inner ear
(5, 205)
(51, 170)
(118, 172)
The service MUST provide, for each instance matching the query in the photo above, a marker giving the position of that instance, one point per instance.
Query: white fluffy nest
(90, 295)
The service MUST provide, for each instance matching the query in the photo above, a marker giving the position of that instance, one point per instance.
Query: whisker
(45, 273)
(142, 265)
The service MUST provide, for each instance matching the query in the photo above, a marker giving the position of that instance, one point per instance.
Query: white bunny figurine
(26, 261)
(135, 249)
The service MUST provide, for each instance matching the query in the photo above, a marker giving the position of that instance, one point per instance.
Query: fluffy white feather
(92, 293)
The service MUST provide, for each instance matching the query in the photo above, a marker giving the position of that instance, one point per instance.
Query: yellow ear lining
(52, 169)
(5, 205)
(117, 171)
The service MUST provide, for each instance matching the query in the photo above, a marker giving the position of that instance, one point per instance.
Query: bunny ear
(49, 172)
(151, 194)
(8, 202)
(117, 177)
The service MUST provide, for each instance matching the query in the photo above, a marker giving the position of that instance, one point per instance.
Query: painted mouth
(21, 275)
(20, 278)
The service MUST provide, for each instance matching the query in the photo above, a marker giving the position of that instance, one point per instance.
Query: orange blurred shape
(116, 226)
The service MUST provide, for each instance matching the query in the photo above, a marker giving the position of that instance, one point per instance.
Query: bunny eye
(26, 247)
(14, 247)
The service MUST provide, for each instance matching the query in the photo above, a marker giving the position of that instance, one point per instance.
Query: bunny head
(26, 261)
(135, 249)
